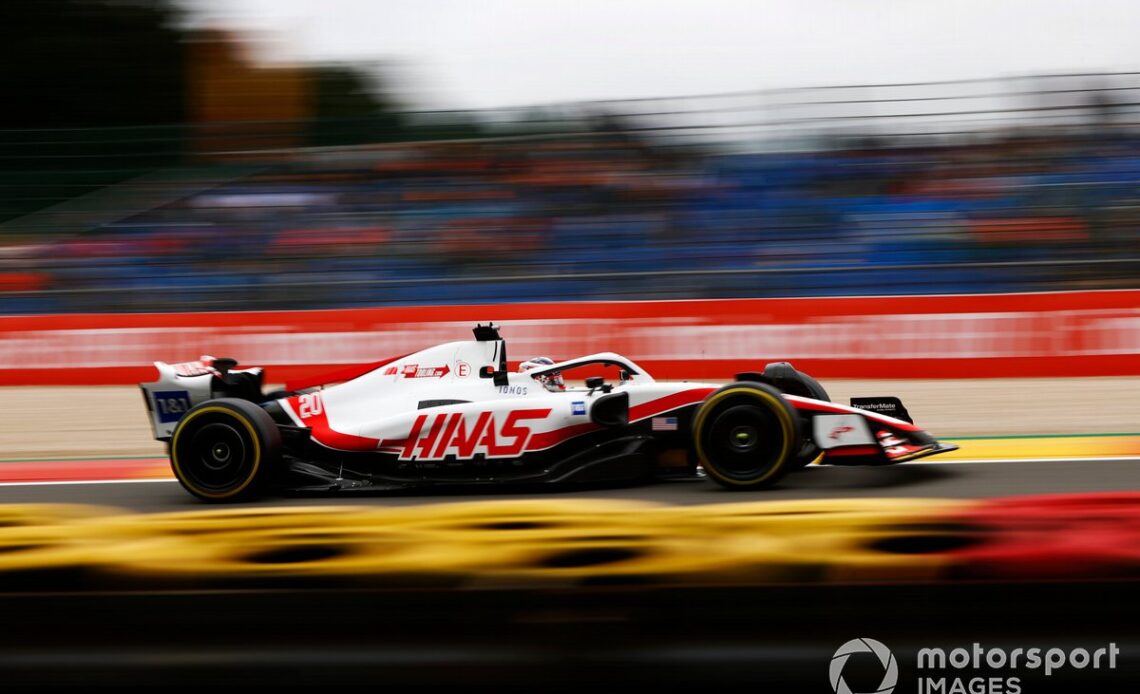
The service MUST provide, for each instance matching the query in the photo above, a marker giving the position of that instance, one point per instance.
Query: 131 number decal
(171, 404)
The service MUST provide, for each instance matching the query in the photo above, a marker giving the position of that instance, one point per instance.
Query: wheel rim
(743, 438)
(744, 441)
(220, 455)
(217, 456)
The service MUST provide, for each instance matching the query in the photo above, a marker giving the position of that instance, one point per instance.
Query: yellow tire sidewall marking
(252, 435)
(782, 415)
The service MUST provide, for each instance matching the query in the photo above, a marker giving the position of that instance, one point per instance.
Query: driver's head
(551, 380)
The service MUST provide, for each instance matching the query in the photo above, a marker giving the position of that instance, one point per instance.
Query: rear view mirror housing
(498, 377)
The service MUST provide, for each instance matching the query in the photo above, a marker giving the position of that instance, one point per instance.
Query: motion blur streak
(171, 186)
(579, 542)
(216, 182)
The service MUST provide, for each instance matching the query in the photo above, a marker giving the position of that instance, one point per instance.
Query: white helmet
(552, 380)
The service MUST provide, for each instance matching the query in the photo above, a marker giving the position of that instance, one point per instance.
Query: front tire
(746, 436)
(225, 450)
(793, 382)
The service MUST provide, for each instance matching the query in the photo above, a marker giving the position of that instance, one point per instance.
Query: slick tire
(809, 453)
(795, 382)
(746, 435)
(225, 450)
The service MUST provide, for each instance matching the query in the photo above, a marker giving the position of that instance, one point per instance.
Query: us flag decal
(664, 424)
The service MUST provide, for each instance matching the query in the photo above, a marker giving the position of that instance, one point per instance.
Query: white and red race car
(455, 414)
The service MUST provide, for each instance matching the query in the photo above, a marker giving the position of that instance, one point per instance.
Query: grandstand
(603, 211)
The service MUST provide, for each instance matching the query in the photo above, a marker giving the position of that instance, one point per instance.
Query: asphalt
(964, 480)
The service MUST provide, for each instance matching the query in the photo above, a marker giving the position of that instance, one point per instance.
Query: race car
(455, 414)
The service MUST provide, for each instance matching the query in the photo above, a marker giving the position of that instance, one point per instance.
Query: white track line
(1105, 459)
(1102, 459)
(55, 483)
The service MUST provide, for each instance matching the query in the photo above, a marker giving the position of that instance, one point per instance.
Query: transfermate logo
(864, 645)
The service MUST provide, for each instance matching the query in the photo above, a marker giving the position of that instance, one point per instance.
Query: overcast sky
(486, 53)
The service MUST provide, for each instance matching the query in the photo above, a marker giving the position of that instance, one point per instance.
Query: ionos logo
(864, 645)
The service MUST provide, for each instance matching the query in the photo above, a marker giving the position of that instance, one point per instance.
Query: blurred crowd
(607, 214)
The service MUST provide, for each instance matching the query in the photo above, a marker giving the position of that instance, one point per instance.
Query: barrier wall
(575, 543)
(1094, 333)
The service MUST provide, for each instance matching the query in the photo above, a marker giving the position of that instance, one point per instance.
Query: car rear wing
(181, 386)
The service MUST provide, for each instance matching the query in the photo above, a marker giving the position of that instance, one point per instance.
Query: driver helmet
(551, 380)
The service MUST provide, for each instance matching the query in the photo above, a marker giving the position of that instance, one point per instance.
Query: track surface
(945, 480)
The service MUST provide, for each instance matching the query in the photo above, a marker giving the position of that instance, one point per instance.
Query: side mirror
(499, 377)
(595, 382)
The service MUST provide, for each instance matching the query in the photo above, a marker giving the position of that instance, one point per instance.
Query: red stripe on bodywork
(547, 439)
(668, 403)
(324, 434)
(853, 451)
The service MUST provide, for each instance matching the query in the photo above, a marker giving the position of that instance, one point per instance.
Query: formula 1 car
(454, 414)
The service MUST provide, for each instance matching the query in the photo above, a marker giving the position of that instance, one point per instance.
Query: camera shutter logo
(886, 658)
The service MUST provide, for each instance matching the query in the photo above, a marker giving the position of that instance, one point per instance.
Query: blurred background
(166, 156)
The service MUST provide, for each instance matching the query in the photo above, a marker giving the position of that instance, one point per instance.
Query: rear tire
(225, 450)
(746, 435)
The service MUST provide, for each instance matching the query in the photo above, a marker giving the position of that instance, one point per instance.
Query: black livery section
(618, 453)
